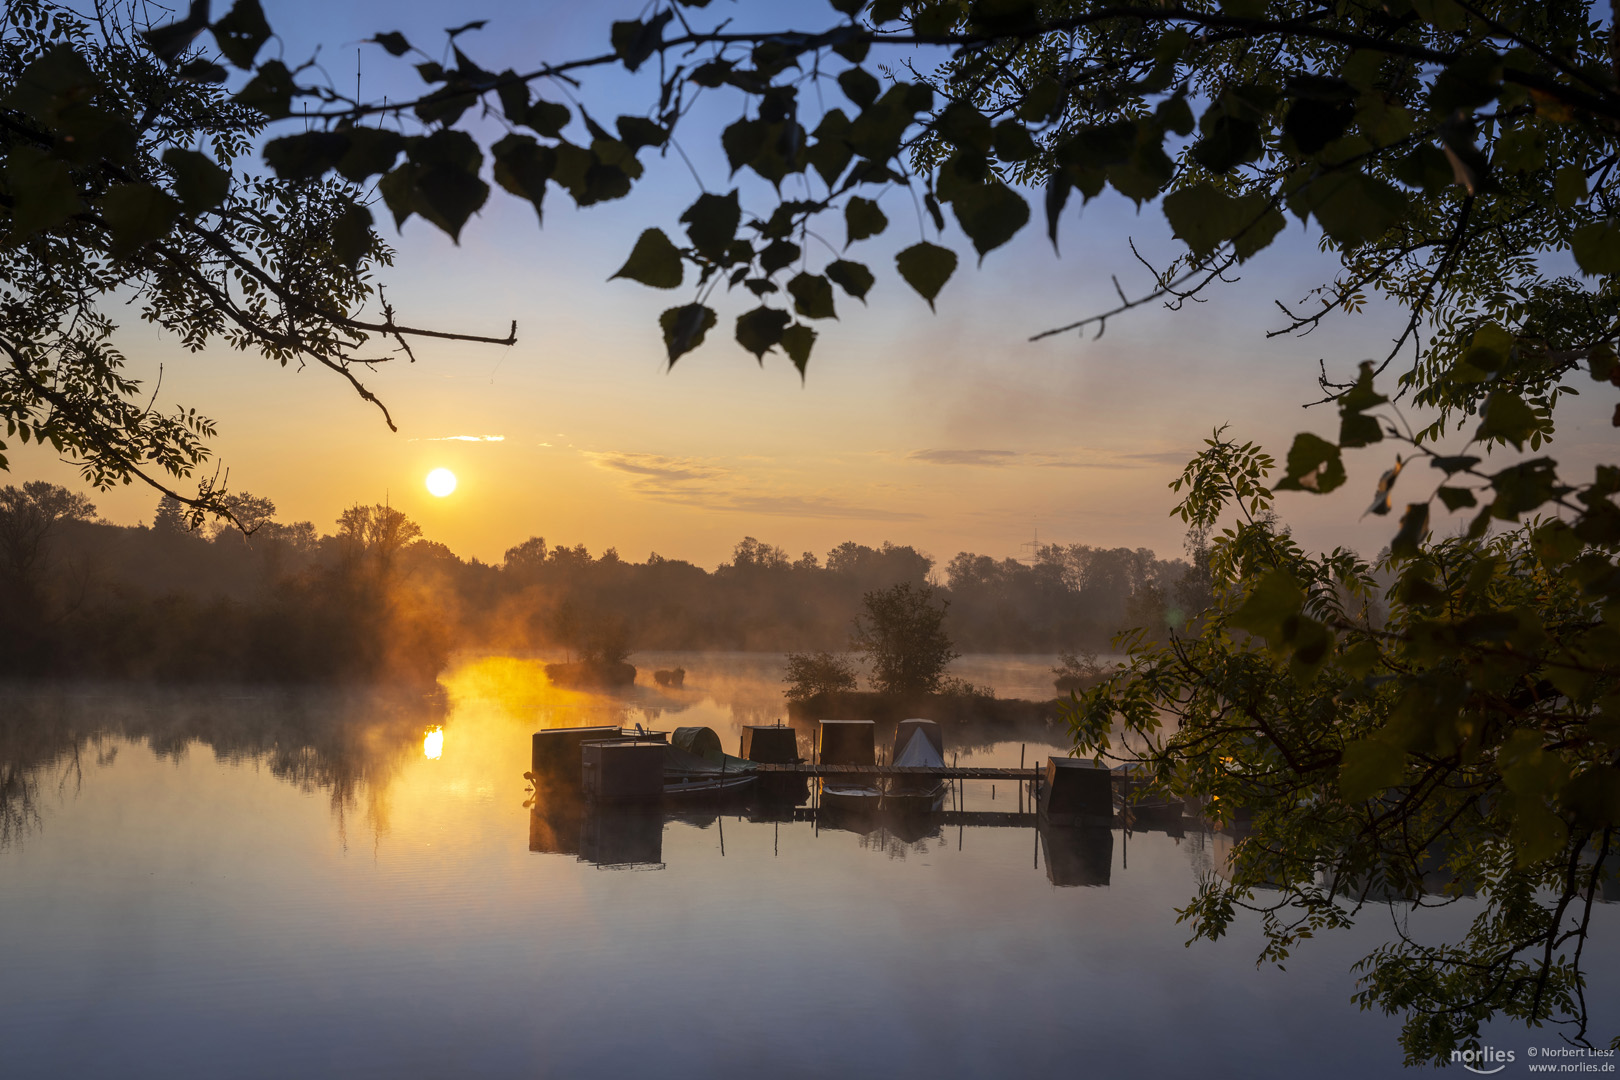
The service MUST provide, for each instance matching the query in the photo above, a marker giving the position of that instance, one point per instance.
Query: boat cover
(905, 729)
(920, 752)
(681, 762)
(701, 741)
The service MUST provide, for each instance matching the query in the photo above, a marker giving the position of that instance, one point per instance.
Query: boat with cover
(918, 744)
(697, 765)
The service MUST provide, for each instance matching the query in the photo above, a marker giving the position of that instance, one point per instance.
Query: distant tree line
(373, 599)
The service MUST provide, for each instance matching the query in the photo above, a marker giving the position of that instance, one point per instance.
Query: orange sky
(948, 431)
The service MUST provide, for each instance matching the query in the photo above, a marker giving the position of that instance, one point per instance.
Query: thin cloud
(711, 486)
(655, 470)
(1080, 458)
(992, 458)
(463, 438)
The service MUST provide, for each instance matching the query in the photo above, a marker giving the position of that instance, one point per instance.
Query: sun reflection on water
(433, 743)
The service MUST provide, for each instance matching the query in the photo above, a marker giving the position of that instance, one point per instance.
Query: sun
(441, 482)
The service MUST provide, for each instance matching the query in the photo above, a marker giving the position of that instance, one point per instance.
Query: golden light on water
(441, 482)
(433, 743)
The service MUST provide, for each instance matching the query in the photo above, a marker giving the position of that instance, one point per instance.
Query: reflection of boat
(918, 744)
(849, 805)
(696, 765)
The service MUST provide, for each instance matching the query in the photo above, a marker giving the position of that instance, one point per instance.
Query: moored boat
(918, 744)
(696, 765)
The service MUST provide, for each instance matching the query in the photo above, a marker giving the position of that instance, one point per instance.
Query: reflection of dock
(988, 819)
(966, 772)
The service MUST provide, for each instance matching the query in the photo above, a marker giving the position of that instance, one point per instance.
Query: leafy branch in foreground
(124, 179)
(1462, 742)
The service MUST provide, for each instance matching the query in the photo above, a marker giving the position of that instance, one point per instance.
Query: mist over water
(210, 881)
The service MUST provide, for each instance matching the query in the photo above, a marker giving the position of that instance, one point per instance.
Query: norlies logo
(1484, 1062)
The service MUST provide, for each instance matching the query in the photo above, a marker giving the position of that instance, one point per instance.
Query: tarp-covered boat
(918, 744)
(696, 764)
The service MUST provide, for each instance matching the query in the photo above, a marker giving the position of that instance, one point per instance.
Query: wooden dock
(876, 771)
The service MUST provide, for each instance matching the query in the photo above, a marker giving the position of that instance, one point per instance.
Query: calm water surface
(213, 883)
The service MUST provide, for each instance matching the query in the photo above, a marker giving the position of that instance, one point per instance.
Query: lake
(224, 882)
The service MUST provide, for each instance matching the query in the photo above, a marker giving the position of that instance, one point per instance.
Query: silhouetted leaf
(394, 42)
(1524, 487)
(990, 214)
(1597, 248)
(926, 267)
(170, 41)
(351, 235)
(965, 127)
(371, 152)
(522, 166)
(1455, 464)
(760, 330)
(1361, 396)
(1274, 600)
(812, 296)
(1176, 115)
(448, 189)
(202, 71)
(1386, 485)
(1414, 527)
(270, 90)
(876, 133)
(1313, 123)
(137, 214)
(797, 341)
(1426, 168)
(1205, 217)
(307, 155)
(711, 223)
(684, 329)
(1057, 195)
(1227, 143)
(777, 254)
(1314, 464)
(1506, 418)
(1352, 207)
(653, 261)
(1013, 143)
(743, 141)
(852, 277)
(859, 85)
(635, 41)
(42, 188)
(830, 154)
(1456, 498)
(862, 218)
(242, 32)
(1569, 187)
(200, 184)
(637, 131)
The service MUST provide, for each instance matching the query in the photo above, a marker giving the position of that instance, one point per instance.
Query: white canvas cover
(920, 753)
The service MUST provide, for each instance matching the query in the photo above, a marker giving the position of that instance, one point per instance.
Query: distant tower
(1033, 543)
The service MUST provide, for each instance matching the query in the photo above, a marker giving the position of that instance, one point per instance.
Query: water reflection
(178, 896)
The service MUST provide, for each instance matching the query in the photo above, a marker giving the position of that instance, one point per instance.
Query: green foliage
(1452, 734)
(809, 674)
(901, 634)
